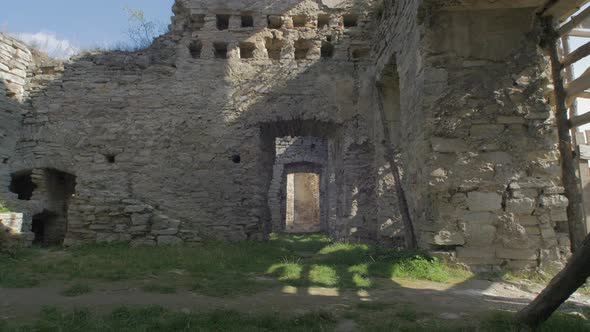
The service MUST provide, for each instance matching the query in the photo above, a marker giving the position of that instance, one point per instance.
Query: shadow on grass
(223, 269)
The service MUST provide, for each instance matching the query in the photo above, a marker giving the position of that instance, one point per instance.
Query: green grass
(369, 317)
(76, 290)
(227, 269)
(356, 266)
(389, 317)
(4, 208)
(158, 319)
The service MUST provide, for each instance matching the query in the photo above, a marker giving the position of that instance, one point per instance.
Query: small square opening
(274, 22)
(327, 50)
(220, 50)
(301, 49)
(247, 50)
(299, 21)
(222, 22)
(274, 48)
(350, 20)
(110, 158)
(360, 53)
(247, 21)
(323, 21)
(195, 48)
(197, 21)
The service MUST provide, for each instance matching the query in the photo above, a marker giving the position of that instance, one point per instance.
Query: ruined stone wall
(15, 60)
(177, 143)
(473, 132)
(494, 170)
(398, 91)
(168, 146)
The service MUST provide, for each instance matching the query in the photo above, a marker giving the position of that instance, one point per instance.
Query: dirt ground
(444, 300)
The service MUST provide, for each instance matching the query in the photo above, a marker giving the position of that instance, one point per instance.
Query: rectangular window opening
(247, 50)
(247, 21)
(327, 50)
(323, 21)
(220, 50)
(301, 49)
(274, 48)
(195, 49)
(197, 21)
(350, 20)
(275, 22)
(299, 21)
(222, 22)
(360, 53)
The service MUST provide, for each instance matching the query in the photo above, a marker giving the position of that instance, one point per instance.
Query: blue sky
(82, 24)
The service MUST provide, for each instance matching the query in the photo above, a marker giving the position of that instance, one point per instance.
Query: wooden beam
(584, 152)
(574, 22)
(579, 85)
(575, 212)
(577, 55)
(585, 95)
(583, 33)
(579, 120)
(562, 9)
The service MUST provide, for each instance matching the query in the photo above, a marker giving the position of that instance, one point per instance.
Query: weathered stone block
(477, 217)
(522, 254)
(554, 201)
(486, 130)
(480, 235)
(484, 201)
(447, 238)
(469, 252)
(449, 145)
(165, 240)
(520, 205)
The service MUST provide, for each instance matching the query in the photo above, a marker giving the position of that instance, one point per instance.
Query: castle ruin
(409, 121)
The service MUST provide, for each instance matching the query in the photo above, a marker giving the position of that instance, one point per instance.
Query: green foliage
(159, 319)
(76, 290)
(3, 207)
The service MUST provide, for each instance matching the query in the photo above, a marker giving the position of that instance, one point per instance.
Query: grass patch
(159, 289)
(159, 319)
(76, 290)
(227, 269)
(390, 317)
(355, 266)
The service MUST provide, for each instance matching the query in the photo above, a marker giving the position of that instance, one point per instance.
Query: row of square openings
(274, 49)
(277, 22)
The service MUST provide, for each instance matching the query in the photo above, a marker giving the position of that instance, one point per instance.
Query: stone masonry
(189, 139)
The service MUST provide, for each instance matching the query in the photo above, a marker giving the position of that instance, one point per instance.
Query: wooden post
(410, 235)
(577, 270)
(572, 277)
(575, 214)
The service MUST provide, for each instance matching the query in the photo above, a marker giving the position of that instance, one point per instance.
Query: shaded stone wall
(298, 154)
(166, 144)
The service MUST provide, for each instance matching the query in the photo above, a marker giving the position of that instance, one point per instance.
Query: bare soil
(444, 300)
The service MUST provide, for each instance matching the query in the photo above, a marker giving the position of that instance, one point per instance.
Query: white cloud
(49, 43)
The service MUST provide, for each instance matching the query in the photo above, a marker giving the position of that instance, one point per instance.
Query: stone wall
(298, 154)
(15, 60)
(423, 111)
(473, 133)
(175, 143)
